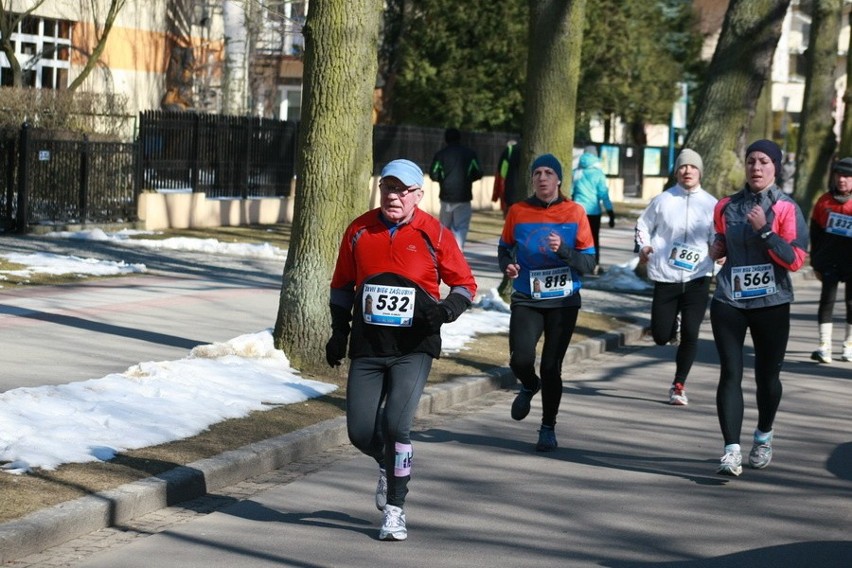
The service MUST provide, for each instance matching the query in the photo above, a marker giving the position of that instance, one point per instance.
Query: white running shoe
(393, 524)
(822, 355)
(761, 453)
(382, 490)
(847, 353)
(731, 464)
(677, 395)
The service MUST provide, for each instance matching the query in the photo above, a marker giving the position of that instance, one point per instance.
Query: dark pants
(595, 225)
(689, 299)
(384, 432)
(525, 328)
(770, 329)
(827, 297)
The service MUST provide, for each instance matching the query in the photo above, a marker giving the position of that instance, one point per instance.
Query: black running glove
(436, 316)
(335, 349)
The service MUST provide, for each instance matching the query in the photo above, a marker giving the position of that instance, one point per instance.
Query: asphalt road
(632, 484)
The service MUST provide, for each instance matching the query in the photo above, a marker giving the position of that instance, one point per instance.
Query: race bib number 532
(388, 305)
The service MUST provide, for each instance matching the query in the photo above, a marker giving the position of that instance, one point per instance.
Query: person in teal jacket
(590, 191)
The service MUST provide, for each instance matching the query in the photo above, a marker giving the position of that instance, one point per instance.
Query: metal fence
(419, 144)
(222, 156)
(48, 178)
(244, 157)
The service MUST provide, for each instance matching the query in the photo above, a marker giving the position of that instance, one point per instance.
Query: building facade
(226, 56)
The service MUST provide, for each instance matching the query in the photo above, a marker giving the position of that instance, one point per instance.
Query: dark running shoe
(521, 405)
(546, 439)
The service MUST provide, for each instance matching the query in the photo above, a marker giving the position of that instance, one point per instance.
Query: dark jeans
(525, 328)
(689, 299)
(770, 329)
(384, 431)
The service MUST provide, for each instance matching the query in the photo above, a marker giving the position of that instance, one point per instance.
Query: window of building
(43, 49)
(290, 106)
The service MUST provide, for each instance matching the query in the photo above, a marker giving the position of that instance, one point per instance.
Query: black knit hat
(843, 166)
(548, 161)
(769, 148)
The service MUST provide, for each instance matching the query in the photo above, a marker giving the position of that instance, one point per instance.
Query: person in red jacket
(386, 291)
(831, 256)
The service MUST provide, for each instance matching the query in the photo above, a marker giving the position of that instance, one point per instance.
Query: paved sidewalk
(632, 484)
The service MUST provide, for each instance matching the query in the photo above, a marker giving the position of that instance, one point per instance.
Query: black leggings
(595, 226)
(827, 297)
(384, 433)
(689, 299)
(770, 329)
(525, 328)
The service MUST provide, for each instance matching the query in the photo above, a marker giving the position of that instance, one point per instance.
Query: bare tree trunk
(235, 80)
(846, 127)
(334, 167)
(553, 70)
(816, 135)
(738, 71)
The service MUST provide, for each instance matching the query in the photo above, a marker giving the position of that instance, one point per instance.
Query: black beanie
(548, 161)
(769, 148)
(843, 167)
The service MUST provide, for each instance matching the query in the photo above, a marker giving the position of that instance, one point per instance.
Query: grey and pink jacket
(785, 248)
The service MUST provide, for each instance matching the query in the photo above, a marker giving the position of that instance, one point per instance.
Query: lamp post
(678, 121)
(784, 102)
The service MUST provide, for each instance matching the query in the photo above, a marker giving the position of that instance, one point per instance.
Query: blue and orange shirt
(547, 278)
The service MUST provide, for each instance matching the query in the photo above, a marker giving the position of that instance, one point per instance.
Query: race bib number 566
(752, 281)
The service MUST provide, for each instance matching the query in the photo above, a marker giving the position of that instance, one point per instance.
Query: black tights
(689, 299)
(770, 329)
(595, 226)
(525, 328)
(827, 297)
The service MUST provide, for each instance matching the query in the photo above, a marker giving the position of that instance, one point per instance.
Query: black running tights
(770, 329)
(827, 297)
(689, 299)
(595, 226)
(525, 328)
(382, 395)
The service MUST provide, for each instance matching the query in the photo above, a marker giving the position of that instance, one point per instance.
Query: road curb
(55, 525)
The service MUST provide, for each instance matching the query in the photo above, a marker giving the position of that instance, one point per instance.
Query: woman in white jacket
(673, 235)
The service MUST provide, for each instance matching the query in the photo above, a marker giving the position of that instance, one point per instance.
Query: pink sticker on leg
(402, 465)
